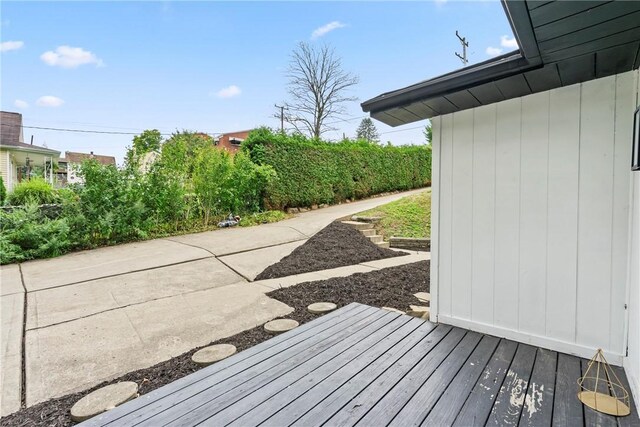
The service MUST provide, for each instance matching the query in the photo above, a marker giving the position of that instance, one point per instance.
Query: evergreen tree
(367, 131)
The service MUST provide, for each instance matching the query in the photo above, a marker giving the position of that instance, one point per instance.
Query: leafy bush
(227, 184)
(27, 234)
(111, 204)
(311, 172)
(3, 191)
(36, 190)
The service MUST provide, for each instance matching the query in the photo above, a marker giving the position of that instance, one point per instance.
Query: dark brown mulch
(334, 246)
(392, 287)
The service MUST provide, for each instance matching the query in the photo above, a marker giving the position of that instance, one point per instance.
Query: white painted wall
(632, 362)
(530, 215)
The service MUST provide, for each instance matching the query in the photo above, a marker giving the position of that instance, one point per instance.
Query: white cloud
(70, 57)
(505, 41)
(19, 103)
(493, 51)
(49, 101)
(321, 31)
(229, 92)
(11, 45)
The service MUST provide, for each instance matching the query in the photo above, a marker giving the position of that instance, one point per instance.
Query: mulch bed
(337, 245)
(391, 287)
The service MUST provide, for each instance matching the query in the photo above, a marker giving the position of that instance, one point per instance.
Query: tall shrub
(311, 171)
(111, 203)
(212, 181)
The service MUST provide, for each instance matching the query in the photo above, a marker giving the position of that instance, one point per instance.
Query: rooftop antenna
(465, 45)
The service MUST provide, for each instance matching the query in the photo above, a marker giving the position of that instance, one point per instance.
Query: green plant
(212, 181)
(262, 218)
(146, 142)
(27, 234)
(406, 217)
(312, 172)
(36, 190)
(3, 191)
(111, 203)
(367, 131)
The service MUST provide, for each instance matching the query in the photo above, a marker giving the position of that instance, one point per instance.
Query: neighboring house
(231, 141)
(535, 210)
(18, 161)
(68, 166)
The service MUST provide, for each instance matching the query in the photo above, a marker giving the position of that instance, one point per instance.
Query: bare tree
(318, 88)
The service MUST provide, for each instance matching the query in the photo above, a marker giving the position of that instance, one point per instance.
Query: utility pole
(465, 45)
(281, 107)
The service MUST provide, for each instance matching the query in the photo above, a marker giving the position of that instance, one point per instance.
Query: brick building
(231, 141)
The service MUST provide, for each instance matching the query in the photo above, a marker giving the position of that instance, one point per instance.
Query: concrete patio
(91, 316)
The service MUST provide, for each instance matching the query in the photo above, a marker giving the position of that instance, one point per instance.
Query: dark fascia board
(524, 59)
(505, 66)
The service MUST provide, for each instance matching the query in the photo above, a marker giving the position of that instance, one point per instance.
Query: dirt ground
(334, 246)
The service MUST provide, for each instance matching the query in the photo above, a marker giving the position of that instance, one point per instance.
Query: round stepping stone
(279, 326)
(212, 354)
(103, 399)
(321, 307)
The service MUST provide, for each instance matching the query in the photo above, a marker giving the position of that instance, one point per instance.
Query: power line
(87, 130)
(401, 130)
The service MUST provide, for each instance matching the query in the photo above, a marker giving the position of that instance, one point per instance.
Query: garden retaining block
(410, 243)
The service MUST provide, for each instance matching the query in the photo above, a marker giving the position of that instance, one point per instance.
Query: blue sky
(217, 66)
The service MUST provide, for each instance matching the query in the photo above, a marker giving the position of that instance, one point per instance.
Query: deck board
(418, 407)
(364, 388)
(508, 405)
(381, 412)
(155, 400)
(567, 408)
(538, 402)
(477, 408)
(267, 406)
(364, 366)
(457, 392)
(322, 365)
(213, 399)
(328, 394)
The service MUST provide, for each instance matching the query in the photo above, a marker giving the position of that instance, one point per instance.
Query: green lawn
(407, 217)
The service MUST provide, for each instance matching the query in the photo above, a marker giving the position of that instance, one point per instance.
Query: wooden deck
(366, 366)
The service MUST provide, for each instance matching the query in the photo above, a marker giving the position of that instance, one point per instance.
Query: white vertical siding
(483, 195)
(534, 153)
(632, 362)
(507, 214)
(562, 227)
(444, 224)
(533, 217)
(461, 209)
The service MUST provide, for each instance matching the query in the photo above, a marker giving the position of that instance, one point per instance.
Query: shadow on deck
(363, 365)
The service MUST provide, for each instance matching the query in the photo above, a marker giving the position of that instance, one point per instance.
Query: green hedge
(313, 172)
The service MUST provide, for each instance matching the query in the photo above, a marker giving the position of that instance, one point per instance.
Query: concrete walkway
(95, 315)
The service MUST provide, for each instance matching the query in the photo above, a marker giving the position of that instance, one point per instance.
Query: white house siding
(531, 235)
(632, 362)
